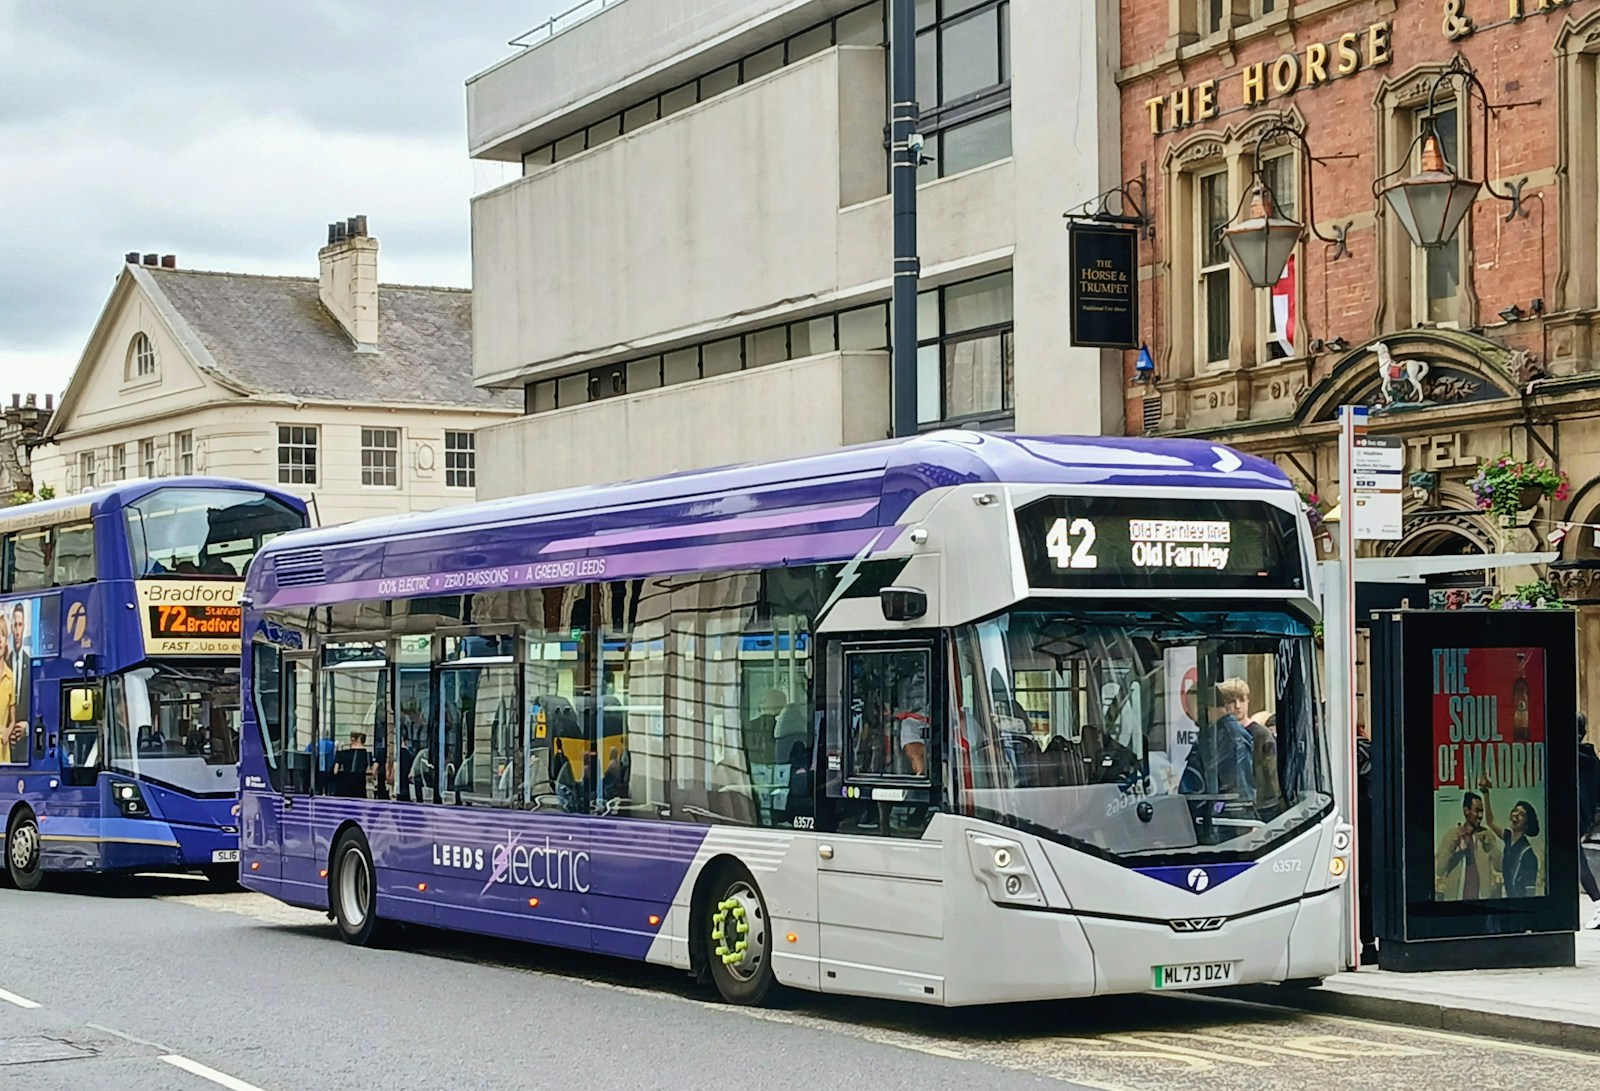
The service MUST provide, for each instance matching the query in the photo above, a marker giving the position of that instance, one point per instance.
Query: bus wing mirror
(903, 603)
(83, 705)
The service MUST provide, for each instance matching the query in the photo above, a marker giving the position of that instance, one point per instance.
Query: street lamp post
(906, 149)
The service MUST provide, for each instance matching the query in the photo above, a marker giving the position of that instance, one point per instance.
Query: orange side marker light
(654, 920)
(792, 938)
(422, 886)
(533, 903)
(255, 865)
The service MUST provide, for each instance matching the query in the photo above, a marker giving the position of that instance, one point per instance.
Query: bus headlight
(129, 800)
(1002, 867)
(1339, 862)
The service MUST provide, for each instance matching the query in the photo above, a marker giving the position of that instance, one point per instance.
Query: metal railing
(581, 12)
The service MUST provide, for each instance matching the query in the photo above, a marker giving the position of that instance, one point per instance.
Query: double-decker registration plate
(1194, 975)
(225, 856)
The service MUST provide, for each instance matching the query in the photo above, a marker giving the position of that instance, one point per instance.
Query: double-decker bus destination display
(190, 617)
(1076, 541)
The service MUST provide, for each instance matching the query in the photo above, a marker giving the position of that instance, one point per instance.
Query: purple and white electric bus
(957, 719)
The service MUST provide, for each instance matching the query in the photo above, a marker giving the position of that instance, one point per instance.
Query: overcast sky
(229, 133)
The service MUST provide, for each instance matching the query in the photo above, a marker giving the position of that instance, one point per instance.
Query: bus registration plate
(225, 856)
(1194, 975)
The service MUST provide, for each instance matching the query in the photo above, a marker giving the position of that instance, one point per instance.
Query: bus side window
(295, 726)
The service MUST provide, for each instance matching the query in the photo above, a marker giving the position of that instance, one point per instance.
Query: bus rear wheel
(739, 937)
(353, 889)
(22, 853)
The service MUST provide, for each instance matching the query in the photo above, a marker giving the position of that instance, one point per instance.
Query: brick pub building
(1492, 340)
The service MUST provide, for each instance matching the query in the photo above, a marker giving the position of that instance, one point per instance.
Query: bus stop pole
(1352, 423)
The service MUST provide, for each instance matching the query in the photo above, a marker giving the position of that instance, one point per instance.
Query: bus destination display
(1116, 542)
(186, 621)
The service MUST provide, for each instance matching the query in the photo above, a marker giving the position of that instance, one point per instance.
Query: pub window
(1215, 16)
(1436, 272)
(1215, 289)
(1278, 309)
(1578, 46)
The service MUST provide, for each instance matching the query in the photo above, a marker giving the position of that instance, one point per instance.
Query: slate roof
(272, 335)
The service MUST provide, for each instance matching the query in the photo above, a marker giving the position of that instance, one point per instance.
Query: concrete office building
(695, 266)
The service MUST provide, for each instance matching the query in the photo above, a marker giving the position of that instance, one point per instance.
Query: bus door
(294, 824)
(879, 885)
(80, 750)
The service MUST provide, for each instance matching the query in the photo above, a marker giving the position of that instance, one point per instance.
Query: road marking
(129, 1037)
(19, 1001)
(222, 1079)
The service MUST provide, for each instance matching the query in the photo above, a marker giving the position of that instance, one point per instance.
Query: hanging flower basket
(1506, 486)
(1312, 503)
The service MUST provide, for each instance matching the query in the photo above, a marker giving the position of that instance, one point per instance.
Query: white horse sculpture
(1407, 375)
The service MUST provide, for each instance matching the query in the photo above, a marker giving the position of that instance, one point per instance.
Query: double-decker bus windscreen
(1143, 732)
(203, 532)
(177, 725)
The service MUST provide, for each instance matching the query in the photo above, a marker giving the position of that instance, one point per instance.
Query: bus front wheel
(353, 889)
(739, 937)
(22, 853)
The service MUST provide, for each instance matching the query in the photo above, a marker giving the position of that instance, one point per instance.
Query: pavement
(160, 984)
(1557, 1007)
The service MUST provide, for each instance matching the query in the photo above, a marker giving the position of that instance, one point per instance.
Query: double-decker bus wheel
(353, 889)
(22, 853)
(738, 947)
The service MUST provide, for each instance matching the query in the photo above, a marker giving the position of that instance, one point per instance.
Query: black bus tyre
(353, 890)
(23, 850)
(738, 937)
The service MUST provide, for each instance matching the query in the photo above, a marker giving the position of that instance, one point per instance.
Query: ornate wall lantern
(1431, 203)
(1262, 244)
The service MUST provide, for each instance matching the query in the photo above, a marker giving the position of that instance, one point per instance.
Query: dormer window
(141, 358)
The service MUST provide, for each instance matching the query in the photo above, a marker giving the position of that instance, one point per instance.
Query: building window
(860, 329)
(863, 25)
(1215, 16)
(1280, 307)
(965, 354)
(147, 457)
(141, 358)
(297, 454)
(380, 457)
(1216, 283)
(183, 451)
(119, 462)
(86, 470)
(963, 84)
(1436, 272)
(460, 460)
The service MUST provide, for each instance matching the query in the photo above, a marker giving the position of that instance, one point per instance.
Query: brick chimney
(348, 280)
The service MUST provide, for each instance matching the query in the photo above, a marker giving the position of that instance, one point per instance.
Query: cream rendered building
(695, 266)
(356, 396)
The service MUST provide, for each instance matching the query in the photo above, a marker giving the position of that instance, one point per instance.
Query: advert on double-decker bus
(1489, 784)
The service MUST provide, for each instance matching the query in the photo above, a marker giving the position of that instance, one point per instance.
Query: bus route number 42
(1071, 544)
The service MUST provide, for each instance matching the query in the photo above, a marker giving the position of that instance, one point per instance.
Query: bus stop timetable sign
(1377, 471)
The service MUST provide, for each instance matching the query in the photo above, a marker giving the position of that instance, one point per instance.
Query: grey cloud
(230, 134)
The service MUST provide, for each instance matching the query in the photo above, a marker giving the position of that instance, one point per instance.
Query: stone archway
(1446, 534)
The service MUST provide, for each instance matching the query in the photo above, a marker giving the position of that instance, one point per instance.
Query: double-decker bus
(119, 677)
(956, 719)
